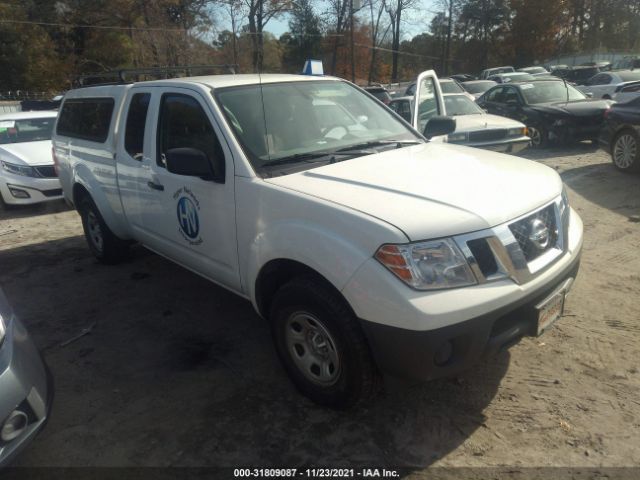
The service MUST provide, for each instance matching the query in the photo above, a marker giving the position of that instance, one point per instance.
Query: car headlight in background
(3, 329)
(24, 170)
(518, 132)
(430, 265)
(456, 137)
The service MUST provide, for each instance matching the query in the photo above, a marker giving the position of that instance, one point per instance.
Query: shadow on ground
(177, 371)
(9, 212)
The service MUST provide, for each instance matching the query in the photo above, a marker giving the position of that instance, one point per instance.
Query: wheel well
(79, 192)
(275, 273)
(606, 96)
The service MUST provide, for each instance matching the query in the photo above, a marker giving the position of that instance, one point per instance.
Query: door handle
(155, 186)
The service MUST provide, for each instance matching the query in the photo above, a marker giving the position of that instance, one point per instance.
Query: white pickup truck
(368, 248)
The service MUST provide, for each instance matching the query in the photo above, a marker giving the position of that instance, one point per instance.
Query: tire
(321, 344)
(103, 243)
(538, 135)
(625, 151)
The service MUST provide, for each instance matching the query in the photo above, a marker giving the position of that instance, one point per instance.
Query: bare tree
(376, 10)
(260, 12)
(395, 9)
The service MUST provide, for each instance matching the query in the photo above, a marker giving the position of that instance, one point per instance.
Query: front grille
(56, 192)
(488, 135)
(536, 233)
(46, 171)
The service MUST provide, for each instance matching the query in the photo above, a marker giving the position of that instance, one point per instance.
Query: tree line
(44, 44)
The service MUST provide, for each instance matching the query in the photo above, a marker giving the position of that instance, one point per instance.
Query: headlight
(456, 137)
(518, 132)
(23, 170)
(3, 330)
(428, 265)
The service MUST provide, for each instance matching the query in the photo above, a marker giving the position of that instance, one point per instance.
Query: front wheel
(103, 243)
(539, 136)
(321, 344)
(625, 152)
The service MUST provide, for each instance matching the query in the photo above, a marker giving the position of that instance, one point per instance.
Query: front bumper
(25, 386)
(21, 190)
(407, 328)
(512, 145)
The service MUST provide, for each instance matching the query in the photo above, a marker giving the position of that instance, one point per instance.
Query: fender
(329, 254)
(105, 195)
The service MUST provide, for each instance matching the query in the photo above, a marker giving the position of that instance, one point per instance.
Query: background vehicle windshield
(478, 87)
(450, 87)
(545, 92)
(460, 105)
(28, 130)
(299, 118)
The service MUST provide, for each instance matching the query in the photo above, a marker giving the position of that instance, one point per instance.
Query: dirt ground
(178, 372)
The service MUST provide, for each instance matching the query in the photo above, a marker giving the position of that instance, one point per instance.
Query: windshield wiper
(308, 157)
(378, 143)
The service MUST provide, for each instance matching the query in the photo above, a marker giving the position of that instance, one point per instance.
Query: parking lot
(155, 366)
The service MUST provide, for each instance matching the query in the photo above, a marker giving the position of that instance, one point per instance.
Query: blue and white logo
(188, 217)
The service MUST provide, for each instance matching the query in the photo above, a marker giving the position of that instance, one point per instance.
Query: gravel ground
(176, 371)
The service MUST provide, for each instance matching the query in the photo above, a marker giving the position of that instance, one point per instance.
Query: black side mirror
(189, 162)
(439, 125)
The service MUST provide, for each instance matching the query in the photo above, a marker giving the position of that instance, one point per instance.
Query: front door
(428, 100)
(188, 218)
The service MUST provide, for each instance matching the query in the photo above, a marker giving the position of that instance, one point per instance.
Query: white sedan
(474, 126)
(27, 173)
(607, 84)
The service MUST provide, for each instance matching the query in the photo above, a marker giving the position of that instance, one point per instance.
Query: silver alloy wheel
(95, 231)
(535, 135)
(625, 151)
(312, 349)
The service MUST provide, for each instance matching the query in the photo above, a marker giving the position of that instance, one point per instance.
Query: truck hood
(432, 190)
(27, 153)
(472, 123)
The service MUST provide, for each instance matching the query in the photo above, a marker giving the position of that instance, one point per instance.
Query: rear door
(428, 100)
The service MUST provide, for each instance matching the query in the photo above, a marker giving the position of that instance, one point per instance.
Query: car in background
(511, 77)
(474, 127)
(495, 71)
(534, 70)
(478, 87)
(27, 172)
(552, 110)
(628, 62)
(25, 386)
(560, 71)
(462, 77)
(620, 135)
(606, 84)
(626, 92)
(580, 75)
(447, 85)
(604, 66)
(380, 93)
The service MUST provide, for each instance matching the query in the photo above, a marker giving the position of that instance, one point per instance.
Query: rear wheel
(321, 344)
(538, 135)
(626, 151)
(103, 243)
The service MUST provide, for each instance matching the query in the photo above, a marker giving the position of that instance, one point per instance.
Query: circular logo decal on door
(188, 218)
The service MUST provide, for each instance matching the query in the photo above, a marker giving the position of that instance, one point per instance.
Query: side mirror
(439, 125)
(189, 162)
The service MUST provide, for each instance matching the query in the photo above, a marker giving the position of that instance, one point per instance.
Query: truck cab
(367, 247)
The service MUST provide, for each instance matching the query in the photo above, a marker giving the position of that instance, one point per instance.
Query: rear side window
(136, 121)
(86, 118)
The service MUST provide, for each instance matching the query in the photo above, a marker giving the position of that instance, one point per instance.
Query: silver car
(25, 386)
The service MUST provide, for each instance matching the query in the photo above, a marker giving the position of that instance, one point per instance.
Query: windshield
(479, 87)
(532, 70)
(28, 130)
(546, 92)
(516, 77)
(460, 105)
(295, 120)
(450, 87)
(495, 71)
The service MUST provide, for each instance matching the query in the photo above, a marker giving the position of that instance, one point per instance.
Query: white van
(368, 248)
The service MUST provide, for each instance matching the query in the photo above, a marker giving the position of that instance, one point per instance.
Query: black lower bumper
(446, 351)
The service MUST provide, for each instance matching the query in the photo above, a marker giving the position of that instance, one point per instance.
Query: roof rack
(124, 76)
